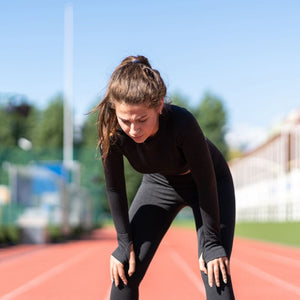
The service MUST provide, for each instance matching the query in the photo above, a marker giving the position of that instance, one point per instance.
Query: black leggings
(155, 206)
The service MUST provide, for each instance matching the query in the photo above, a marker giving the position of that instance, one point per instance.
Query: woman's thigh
(151, 214)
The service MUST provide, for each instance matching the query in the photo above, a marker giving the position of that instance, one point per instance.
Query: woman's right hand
(117, 271)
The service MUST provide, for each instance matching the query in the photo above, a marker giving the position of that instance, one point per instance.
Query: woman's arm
(197, 154)
(116, 193)
(198, 157)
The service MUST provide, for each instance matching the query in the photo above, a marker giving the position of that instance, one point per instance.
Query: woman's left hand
(213, 269)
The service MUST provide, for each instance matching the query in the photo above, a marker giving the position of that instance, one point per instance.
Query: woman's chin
(139, 139)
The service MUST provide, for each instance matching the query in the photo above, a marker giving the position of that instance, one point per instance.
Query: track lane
(258, 275)
(80, 270)
(75, 270)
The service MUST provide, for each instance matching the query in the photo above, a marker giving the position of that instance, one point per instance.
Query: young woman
(181, 168)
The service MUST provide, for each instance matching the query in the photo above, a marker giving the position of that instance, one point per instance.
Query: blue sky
(245, 52)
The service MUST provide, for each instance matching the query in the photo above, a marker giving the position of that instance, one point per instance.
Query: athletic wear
(178, 146)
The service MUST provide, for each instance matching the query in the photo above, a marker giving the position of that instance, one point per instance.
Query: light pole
(68, 86)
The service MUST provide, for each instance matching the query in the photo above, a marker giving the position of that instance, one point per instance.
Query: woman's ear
(161, 106)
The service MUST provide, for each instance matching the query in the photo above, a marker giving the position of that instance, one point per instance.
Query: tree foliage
(212, 118)
(89, 131)
(180, 100)
(88, 155)
(15, 120)
(6, 137)
(49, 133)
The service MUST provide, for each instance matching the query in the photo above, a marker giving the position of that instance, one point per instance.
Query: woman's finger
(227, 264)
(115, 275)
(121, 273)
(223, 271)
(216, 273)
(131, 269)
(210, 274)
(202, 264)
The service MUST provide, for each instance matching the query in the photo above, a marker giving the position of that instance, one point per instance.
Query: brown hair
(133, 82)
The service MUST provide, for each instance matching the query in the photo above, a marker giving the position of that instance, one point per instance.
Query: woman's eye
(126, 122)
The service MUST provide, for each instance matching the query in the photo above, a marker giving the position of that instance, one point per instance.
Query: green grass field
(287, 233)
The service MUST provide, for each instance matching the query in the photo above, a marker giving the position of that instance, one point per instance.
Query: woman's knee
(224, 292)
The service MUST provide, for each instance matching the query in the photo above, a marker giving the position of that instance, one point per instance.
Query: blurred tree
(48, 134)
(212, 118)
(234, 153)
(14, 118)
(180, 100)
(89, 131)
(92, 177)
(15, 131)
(6, 138)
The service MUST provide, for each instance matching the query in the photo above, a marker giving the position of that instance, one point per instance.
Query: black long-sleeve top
(178, 146)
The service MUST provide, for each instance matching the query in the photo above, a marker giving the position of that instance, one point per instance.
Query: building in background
(267, 179)
(45, 196)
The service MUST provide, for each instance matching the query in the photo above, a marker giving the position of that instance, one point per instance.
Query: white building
(267, 179)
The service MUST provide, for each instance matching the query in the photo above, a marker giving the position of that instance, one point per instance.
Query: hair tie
(137, 61)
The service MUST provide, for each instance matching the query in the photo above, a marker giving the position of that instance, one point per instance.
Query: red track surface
(80, 270)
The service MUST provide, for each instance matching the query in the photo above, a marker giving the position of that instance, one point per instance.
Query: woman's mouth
(137, 138)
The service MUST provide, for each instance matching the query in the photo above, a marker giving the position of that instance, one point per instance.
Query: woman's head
(133, 83)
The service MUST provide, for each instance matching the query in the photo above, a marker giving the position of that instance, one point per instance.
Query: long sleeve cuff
(212, 252)
(122, 251)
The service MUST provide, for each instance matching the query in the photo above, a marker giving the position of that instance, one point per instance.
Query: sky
(244, 52)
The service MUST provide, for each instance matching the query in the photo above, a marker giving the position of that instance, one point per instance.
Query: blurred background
(234, 64)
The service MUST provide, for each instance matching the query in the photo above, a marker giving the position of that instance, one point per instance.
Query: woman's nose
(133, 129)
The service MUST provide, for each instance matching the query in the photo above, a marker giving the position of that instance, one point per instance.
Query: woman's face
(137, 120)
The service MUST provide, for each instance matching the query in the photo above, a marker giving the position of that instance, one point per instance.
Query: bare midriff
(184, 173)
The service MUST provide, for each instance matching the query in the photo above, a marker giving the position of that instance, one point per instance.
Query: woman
(181, 168)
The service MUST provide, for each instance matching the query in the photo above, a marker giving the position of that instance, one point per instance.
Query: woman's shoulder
(179, 116)
(178, 113)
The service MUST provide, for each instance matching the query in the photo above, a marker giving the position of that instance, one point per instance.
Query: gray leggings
(156, 204)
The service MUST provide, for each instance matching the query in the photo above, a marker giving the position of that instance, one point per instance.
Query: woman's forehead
(125, 111)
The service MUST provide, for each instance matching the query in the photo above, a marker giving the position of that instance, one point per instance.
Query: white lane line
(46, 275)
(15, 258)
(188, 271)
(268, 277)
(277, 258)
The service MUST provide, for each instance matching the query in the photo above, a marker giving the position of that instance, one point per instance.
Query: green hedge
(9, 235)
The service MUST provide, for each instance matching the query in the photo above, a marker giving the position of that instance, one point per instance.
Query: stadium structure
(267, 178)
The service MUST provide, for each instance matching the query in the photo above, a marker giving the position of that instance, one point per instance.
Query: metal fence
(267, 180)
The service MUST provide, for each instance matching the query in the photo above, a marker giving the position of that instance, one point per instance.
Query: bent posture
(181, 168)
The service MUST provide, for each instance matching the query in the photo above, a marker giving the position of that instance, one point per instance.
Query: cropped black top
(178, 146)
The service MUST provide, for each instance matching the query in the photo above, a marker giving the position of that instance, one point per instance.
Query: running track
(80, 270)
